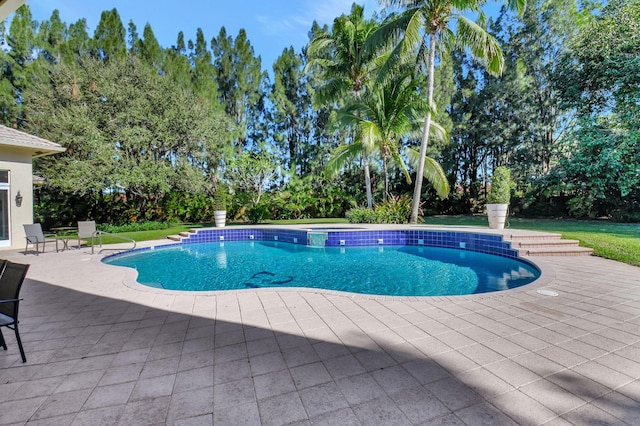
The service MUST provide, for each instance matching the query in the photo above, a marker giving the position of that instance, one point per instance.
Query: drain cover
(545, 292)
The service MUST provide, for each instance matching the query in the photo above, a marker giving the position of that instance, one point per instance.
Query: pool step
(181, 235)
(545, 244)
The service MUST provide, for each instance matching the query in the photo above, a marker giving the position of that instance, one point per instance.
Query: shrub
(258, 213)
(500, 192)
(362, 215)
(396, 209)
(134, 226)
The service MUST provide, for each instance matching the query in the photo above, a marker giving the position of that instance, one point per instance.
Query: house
(17, 151)
(7, 7)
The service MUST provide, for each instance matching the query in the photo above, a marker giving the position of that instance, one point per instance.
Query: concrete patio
(102, 350)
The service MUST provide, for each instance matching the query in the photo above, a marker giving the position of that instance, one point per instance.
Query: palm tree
(347, 68)
(382, 117)
(427, 26)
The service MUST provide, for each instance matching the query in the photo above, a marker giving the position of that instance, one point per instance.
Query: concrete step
(537, 236)
(556, 251)
(544, 243)
(174, 237)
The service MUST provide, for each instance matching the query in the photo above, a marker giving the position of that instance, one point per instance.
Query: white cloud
(324, 12)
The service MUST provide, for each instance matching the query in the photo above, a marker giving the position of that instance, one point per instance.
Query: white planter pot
(220, 216)
(497, 214)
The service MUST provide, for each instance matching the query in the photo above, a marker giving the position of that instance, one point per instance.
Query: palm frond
(331, 90)
(409, 24)
(340, 156)
(369, 135)
(433, 172)
(482, 45)
(438, 132)
(318, 44)
(398, 160)
(517, 5)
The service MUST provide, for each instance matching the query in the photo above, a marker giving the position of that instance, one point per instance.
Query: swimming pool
(393, 269)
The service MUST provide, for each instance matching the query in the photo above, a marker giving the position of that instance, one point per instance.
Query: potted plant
(220, 206)
(499, 197)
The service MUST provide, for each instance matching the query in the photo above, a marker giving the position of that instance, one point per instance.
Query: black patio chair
(10, 284)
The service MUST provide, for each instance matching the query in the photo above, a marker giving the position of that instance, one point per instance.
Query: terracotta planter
(497, 214)
(220, 216)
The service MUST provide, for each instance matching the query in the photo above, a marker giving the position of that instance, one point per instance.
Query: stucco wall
(18, 162)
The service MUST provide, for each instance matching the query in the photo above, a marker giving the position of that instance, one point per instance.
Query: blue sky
(271, 25)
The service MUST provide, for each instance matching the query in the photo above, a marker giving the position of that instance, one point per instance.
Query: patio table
(65, 234)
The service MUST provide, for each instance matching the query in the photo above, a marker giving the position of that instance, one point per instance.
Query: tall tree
(203, 72)
(239, 77)
(537, 39)
(384, 116)
(422, 24)
(128, 130)
(78, 43)
(177, 65)
(600, 78)
(150, 49)
(347, 66)
(52, 34)
(9, 107)
(108, 42)
(292, 104)
(22, 64)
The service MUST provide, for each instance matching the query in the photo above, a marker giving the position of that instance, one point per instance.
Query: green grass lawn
(617, 241)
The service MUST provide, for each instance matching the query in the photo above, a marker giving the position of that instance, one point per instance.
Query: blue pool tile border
(478, 242)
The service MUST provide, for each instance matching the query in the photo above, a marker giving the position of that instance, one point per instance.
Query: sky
(271, 25)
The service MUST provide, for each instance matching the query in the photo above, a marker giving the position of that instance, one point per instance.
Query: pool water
(381, 270)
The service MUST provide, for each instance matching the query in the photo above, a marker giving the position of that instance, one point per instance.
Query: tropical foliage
(550, 90)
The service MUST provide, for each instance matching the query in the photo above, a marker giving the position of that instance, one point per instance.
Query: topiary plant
(220, 198)
(500, 191)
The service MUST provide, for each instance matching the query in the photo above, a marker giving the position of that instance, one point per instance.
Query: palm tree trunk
(365, 160)
(386, 177)
(367, 180)
(417, 190)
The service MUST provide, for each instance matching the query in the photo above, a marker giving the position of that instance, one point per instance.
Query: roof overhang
(36, 152)
(7, 7)
(35, 145)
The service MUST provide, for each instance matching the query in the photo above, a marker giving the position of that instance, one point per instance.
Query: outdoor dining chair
(87, 229)
(10, 283)
(34, 235)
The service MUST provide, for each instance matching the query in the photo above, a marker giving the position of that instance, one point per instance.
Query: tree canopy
(551, 92)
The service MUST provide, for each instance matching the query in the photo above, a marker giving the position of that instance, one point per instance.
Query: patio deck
(100, 352)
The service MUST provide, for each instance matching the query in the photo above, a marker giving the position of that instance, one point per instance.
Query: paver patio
(102, 352)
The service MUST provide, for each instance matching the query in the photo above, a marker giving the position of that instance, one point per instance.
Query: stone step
(556, 251)
(544, 243)
(544, 236)
(181, 235)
